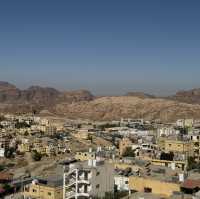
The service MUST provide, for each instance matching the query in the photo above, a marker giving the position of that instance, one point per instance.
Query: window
(126, 182)
(97, 186)
(147, 190)
(34, 190)
(49, 193)
(97, 173)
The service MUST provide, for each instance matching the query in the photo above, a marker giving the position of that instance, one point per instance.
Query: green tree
(128, 152)
(192, 164)
(9, 153)
(26, 133)
(36, 156)
(2, 167)
(8, 188)
(2, 118)
(20, 125)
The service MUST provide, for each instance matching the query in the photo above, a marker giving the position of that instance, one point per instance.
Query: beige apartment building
(154, 186)
(178, 146)
(188, 148)
(83, 156)
(195, 145)
(43, 191)
(24, 147)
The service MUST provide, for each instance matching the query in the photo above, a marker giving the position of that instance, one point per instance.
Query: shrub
(128, 152)
(36, 156)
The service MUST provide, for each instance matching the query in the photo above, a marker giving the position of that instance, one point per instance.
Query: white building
(121, 183)
(148, 147)
(167, 131)
(2, 152)
(88, 180)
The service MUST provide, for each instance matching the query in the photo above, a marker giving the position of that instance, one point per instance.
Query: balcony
(89, 175)
(70, 194)
(83, 194)
(83, 181)
(83, 176)
(71, 182)
(73, 194)
(71, 172)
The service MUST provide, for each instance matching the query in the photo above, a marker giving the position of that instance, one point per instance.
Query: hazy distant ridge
(82, 104)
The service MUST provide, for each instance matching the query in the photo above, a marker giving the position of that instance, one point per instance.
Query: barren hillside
(108, 108)
(82, 104)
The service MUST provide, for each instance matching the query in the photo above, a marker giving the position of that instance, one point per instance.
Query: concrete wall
(102, 180)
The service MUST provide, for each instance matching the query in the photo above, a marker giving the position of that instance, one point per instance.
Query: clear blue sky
(106, 46)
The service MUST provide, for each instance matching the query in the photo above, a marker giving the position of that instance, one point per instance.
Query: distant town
(58, 158)
(99, 99)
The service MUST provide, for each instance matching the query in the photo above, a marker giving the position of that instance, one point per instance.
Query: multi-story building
(185, 122)
(43, 190)
(195, 145)
(178, 146)
(51, 150)
(83, 156)
(83, 133)
(51, 130)
(167, 131)
(93, 178)
(24, 147)
(167, 163)
(39, 146)
(190, 147)
(121, 182)
(44, 122)
(155, 186)
(4, 141)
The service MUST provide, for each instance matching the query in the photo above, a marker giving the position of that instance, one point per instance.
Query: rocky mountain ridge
(82, 104)
(191, 96)
(44, 96)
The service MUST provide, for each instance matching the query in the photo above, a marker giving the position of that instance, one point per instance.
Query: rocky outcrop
(190, 96)
(13, 99)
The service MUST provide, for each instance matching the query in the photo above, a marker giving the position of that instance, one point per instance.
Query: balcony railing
(71, 183)
(70, 194)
